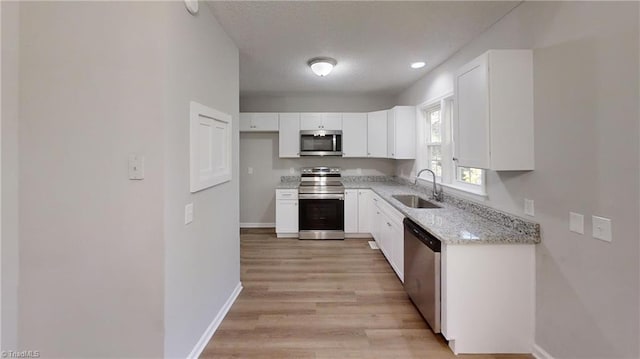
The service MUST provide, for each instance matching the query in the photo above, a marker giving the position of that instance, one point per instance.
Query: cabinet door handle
(388, 224)
(455, 159)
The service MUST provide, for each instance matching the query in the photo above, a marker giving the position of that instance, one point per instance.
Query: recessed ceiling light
(322, 66)
(418, 65)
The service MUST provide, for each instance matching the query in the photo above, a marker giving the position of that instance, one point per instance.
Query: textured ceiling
(374, 42)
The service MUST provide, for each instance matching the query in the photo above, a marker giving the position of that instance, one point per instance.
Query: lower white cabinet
(351, 211)
(388, 232)
(357, 211)
(500, 279)
(287, 212)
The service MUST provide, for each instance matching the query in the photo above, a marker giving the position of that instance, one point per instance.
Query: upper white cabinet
(321, 121)
(289, 136)
(493, 116)
(354, 134)
(258, 122)
(401, 132)
(377, 134)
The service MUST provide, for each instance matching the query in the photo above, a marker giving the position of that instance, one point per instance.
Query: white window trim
(449, 171)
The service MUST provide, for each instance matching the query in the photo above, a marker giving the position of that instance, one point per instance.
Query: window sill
(478, 195)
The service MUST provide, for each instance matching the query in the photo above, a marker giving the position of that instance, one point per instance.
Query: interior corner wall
(10, 69)
(202, 259)
(260, 150)
(91, 240)
(587, 136)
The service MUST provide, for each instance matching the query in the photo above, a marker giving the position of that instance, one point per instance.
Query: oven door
(321, 216)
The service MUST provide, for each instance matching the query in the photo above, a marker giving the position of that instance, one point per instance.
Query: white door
(311, 121)
(377, 134)
(351, 211)
(471, 120)
(354, 134)
(265, 121)
(364, 211)
(391, 133)
(286, 216)
(332, 121)
(245, 121)
(289, 135)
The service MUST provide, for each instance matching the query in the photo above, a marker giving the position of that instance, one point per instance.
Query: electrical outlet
(188, 213)
(529, 208)
(292, 171)
(359, 171)
(576, 222)
(601, 228)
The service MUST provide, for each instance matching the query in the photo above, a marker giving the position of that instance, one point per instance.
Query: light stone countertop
(450, 224)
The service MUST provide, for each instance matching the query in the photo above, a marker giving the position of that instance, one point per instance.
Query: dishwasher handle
(425, 237)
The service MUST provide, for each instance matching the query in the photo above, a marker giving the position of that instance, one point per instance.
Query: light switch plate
(601, 228)
(188, 213)
(576, 222)
(529, 208)
(136, 167)
(250, 170)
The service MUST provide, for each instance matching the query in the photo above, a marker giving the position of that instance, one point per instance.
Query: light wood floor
(322, 299)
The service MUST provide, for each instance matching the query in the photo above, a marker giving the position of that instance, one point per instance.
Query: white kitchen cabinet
(377, 134)
(287, 212)
(351, 211)
(364, 210)
(401, 132)
(321, 121)
(388, 231)
(501, 280)
(493, 116)
(289, 136)
(354, 134)
(357, 212)
(258, 122)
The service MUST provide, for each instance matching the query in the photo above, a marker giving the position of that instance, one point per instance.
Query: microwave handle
(334, 143)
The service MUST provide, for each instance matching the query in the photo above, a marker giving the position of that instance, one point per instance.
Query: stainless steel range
(321, 199)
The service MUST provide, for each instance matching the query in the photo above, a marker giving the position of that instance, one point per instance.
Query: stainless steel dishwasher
(422, 272)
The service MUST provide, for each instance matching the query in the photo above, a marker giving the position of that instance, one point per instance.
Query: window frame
(449, 176)
(428, 141)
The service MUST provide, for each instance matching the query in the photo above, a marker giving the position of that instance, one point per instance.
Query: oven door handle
(339, 196)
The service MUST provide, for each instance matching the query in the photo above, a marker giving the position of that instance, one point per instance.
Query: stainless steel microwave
(320, 143)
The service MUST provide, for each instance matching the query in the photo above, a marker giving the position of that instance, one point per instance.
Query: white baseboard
(211, 329)
(257, 225)
(540, 353)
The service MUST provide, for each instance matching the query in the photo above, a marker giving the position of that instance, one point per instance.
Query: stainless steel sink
(414, 201)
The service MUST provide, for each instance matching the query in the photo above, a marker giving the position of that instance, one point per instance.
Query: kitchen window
(437, 149)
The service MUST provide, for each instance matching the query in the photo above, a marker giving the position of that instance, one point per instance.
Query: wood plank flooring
(322, 299)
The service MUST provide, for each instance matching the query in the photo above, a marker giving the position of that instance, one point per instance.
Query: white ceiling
(374, 42)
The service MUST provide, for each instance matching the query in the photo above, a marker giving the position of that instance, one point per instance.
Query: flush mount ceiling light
(418, 65)
(322, 66)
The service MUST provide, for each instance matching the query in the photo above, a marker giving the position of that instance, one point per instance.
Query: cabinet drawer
(287, 194)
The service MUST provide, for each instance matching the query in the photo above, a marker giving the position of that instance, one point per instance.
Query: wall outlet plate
(529, 207)
(576, 222)
(188, 213)
(601, 228)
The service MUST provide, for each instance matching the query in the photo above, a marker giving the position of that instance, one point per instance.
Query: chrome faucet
(437, 195)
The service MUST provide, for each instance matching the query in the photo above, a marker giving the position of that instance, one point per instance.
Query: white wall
(203, 258)
(260, 150)
(91, 248)
(587, 156)
(10, 104)
(311, 102)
